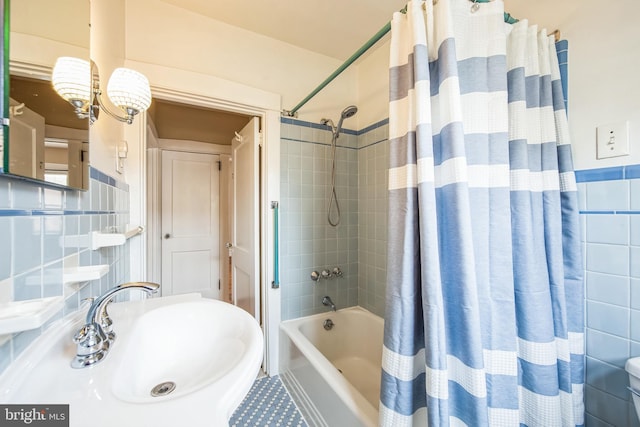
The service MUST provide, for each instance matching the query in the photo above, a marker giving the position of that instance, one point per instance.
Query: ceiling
(191, 123)
(335, 28)
(39, 96)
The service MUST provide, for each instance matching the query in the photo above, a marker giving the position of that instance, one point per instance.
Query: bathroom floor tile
(267, 404)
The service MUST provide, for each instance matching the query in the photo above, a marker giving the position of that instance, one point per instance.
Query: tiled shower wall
(308, 243)
(35, 223)
(610, 213)
(373, 163)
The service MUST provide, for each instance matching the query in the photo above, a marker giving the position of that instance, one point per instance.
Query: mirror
(46, 141)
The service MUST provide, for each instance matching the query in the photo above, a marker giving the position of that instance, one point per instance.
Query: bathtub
(334, 375)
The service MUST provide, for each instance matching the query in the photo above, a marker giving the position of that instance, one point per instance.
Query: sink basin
(190, 345)
(198, 356)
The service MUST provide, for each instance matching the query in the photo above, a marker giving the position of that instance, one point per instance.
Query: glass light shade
(129, 90)
(71, 78)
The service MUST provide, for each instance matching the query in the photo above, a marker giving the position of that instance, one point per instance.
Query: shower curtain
(484, 322)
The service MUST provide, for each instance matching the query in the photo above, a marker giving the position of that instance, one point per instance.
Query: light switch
(613, 140)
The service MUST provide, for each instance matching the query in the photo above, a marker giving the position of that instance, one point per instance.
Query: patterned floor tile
(267, 404)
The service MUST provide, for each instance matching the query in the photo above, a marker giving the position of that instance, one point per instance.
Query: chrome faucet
(327, 301)
(95, 337)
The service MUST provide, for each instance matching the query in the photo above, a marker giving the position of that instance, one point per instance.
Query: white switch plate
(613, 140)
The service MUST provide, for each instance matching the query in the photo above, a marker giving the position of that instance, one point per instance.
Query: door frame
(248, 101)
(154, 197)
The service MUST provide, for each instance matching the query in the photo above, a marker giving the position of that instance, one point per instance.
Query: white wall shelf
(18, 316)
(102, 240)
(96, 240)
(84, 274)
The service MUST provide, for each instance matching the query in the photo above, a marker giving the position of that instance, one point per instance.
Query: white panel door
(245, 219)
(26, 140)
(190, 224)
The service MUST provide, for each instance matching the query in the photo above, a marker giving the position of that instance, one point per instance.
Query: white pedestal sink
(199, 356)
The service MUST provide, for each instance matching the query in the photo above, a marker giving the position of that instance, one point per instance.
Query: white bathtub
(334, 375)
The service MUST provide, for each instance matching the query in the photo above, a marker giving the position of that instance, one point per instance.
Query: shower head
(350, 111)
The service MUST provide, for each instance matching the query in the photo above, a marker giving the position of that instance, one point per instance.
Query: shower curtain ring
(475, 6)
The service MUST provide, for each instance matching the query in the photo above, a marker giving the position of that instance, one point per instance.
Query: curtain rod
(373, 40)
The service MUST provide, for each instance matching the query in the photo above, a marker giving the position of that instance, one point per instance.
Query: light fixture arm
(97, 93)
(81, 109)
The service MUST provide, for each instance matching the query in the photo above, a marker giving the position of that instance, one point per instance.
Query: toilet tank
(633, 368)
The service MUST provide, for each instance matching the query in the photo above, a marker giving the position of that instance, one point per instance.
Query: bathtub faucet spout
(327, 301)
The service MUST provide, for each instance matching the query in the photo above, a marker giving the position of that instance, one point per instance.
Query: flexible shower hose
(333, 198)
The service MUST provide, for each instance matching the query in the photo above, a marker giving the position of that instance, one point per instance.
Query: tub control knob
(328, 324)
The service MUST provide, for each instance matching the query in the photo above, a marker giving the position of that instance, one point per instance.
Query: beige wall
(603, 76)
(36, 41)
(65, 21)
(168, 36)
(108, 52)
(373, 84)
(603, 64)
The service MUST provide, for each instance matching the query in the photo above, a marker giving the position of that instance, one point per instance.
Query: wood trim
(193, 146)
(270, 118)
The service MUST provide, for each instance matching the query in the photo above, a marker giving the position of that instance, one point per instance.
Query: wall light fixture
(78, 82)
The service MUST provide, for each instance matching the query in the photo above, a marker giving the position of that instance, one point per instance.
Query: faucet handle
(107, 324)
(92, 345)
(90, 339)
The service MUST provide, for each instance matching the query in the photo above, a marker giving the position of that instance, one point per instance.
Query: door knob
(228, 245)
(166, 236)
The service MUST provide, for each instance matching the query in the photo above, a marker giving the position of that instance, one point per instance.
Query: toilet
(633, 368)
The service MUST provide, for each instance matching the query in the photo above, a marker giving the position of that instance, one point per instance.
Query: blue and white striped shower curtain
(484, 322)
